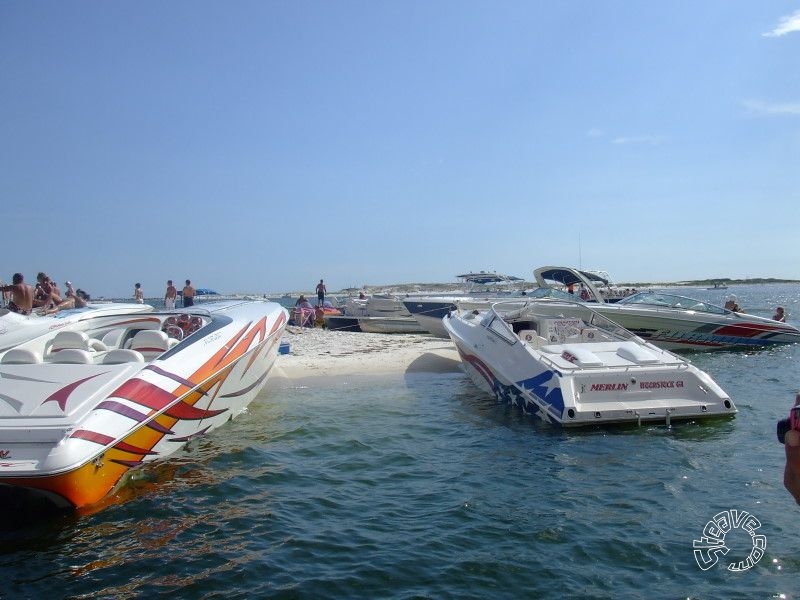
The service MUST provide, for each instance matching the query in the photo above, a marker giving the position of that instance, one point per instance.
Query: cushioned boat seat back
(151, 343)
(70, 339)
(122, 355)
(21, 356)
(73, 356)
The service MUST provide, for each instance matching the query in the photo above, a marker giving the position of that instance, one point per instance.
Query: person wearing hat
(70, 291)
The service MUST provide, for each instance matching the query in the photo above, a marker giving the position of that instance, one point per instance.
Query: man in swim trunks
(21, 295)
(170, 295)
(188, 294)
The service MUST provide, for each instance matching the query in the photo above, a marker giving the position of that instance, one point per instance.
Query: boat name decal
(608, 387)
(652, 385)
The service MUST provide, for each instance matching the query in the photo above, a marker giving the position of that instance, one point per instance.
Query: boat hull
(389, 325)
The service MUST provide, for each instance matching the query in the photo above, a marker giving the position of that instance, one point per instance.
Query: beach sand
(317, 355)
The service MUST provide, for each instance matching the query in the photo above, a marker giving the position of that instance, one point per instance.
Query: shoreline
(318, 355)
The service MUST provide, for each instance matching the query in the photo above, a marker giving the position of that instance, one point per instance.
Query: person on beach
(188, 294)
(170, 296)
(138, 294)
(791, 472)
(21, 301)
(303, 312)
(321, 292)
(779, 315)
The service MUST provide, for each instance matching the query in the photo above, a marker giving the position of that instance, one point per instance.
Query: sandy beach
(319, 354)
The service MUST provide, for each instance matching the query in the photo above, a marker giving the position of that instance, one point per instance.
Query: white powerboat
(80, 409)
(571, 366)
(16, 329)
(678, 322)
(376, 313)
(484, 289)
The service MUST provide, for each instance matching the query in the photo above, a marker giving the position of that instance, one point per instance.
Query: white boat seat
(113, 338)
(21, 356)
(72, 356)
(580, 356)
(635, 353)
(532, 338)
(122, 355)
(69, 339)
(152, 343)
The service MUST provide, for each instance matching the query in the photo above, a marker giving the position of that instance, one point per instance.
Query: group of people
(170, 296)
(45, 296)
(306, 315)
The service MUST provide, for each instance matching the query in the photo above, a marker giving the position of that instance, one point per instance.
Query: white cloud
(640, 139)
(765, 109)
(595, 132)
(786, 25)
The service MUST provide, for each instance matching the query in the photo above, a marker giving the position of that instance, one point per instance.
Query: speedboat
(680, 323)
(570, 366)
(484, 289)
(677, 322)
(79, 410)
(16, 329)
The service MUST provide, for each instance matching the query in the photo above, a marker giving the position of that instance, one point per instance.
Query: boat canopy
(484, 278)
(567, 276)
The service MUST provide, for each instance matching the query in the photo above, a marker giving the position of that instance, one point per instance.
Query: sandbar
(317, 355)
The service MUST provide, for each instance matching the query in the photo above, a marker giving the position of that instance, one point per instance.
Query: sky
(259, 146)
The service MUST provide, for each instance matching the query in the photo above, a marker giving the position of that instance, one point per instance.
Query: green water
(421, 486)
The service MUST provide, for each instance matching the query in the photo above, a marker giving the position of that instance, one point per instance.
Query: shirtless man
(21, 295)
(188, 294)
(170, 295)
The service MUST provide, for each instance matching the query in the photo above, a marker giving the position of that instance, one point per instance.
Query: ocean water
(421, 486)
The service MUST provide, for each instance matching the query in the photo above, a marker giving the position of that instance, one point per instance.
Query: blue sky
(261, 146)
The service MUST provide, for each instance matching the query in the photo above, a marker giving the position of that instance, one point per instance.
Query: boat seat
(636, 354)
(21, 356)
(532, 338)
(69, 339)
(64, 340)
(113, 338)
(72, 356)
(151, 343)
(580, 356)
(122, 355)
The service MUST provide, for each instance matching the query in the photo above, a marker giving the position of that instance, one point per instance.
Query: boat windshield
(545, 292)
(672, 301)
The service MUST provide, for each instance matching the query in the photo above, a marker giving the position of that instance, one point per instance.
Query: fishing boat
(570, 366)
(16, 329)
(79, 410)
